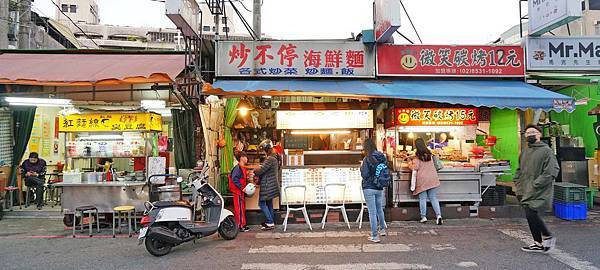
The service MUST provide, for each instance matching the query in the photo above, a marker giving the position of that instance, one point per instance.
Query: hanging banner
(117, 122)
(436, 116)
(450, 60)
(294, 59)
(563, 53)
(546, 15)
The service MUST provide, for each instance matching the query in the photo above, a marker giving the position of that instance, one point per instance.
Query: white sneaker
(382, 233)
(374, 239)
(423, 220)
(439, 220)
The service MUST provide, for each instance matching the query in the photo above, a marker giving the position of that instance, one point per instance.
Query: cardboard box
(4, 173)
(593, 173)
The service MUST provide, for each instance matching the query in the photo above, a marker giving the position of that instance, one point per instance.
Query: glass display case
(111, 145)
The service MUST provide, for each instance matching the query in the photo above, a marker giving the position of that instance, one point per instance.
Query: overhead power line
(84, 33)
(411, 23)
(411, 42)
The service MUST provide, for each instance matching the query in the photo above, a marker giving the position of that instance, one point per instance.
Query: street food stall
(451, 134)
(99, 138)
(323, 147)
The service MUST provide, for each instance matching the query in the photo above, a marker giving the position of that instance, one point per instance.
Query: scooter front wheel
(156, 247)
(228, 229)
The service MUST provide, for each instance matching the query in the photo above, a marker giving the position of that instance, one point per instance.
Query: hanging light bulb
(244, 107)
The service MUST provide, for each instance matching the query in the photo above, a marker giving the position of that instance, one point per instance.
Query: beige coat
(427, 176)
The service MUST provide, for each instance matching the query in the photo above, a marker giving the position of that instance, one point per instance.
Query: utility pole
(4, 24)
(24, 24)
(256, 18)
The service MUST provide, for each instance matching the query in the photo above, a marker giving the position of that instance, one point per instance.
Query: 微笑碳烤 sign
(116, 122)
(563, 53)
(294, 59)
(436, 116)
(447, 60)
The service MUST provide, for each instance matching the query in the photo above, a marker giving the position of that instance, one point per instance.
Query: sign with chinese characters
(448, 60)
(436, 116)
(546, 15)
(563, 53)
(117, 122)
(333, 119)
(563, 104)
(294, 59)
(387, 19)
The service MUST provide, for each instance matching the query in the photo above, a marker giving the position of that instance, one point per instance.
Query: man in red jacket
(237, 183)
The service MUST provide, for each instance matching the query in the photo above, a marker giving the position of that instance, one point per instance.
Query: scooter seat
(172, 203)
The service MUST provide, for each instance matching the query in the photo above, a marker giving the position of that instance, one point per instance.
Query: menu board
(315, 180)
(325, 119)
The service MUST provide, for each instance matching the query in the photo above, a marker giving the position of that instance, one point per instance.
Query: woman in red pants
(237, 183)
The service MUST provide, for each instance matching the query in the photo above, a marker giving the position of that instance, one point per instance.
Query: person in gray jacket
(268, 175)
(534, 180)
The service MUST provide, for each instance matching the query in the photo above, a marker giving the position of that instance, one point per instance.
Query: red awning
(89, 69)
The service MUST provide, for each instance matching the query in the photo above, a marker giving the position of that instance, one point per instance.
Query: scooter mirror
(179, 179)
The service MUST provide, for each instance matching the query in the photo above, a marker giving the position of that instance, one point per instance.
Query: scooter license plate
(143, 232)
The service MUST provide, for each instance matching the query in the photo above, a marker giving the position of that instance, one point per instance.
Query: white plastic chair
(289, 209)
(363, 207)
(342, 207)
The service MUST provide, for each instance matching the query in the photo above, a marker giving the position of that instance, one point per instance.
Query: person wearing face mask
(534, 180)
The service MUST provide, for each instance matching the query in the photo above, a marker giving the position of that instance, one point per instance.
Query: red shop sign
(436, 117)
(446, 60)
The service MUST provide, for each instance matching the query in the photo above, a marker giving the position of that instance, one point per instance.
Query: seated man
(34, 172)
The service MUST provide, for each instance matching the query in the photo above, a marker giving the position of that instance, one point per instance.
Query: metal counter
(456, 186)
(104, 195)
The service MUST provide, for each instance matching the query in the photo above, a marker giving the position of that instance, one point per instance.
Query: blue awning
(498, 94)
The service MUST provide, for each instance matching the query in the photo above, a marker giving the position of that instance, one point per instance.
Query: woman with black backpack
(373, 191)
(428, 181)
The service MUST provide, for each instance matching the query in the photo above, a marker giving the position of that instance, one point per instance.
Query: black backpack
(382, 174)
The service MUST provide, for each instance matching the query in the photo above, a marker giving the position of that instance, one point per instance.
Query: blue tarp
(498, 94)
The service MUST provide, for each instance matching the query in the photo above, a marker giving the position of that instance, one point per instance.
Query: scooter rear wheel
(156, 247)
(228, 228)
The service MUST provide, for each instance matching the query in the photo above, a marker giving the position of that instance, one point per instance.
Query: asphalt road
(459, 244)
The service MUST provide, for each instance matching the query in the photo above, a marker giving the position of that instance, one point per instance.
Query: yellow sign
(110, 122)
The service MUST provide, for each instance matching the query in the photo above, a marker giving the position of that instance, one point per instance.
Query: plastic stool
(89, 209)
(122, 210)
(591, 194)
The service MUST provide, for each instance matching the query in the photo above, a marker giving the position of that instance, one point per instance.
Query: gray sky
(438, 21)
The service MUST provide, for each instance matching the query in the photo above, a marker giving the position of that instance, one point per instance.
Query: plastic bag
(413, 180)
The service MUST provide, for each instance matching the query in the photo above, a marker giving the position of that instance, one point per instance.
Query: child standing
(237, 183)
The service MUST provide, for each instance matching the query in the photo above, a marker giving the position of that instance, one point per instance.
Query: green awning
(578, 79)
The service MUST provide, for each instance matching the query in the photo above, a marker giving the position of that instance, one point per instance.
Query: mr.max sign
(563, 53)
(294, 59)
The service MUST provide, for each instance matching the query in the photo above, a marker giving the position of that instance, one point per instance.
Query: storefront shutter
(6, 139)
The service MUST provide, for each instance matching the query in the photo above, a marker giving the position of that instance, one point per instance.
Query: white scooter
(170, 223)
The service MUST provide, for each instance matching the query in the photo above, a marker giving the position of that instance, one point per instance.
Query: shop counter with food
(457, 185)
(103, 195)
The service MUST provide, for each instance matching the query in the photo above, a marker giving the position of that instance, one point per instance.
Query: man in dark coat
(268, 175)
(534, 180)
(34, 173)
